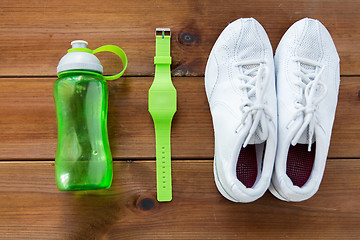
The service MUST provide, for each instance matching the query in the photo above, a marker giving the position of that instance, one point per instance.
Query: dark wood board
(35, 34)
(31, 207)
(28, 122)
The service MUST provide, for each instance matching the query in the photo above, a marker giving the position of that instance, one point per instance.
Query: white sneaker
(308, 78)
(240, 86)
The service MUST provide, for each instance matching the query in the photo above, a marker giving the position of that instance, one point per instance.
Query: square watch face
(163, 101)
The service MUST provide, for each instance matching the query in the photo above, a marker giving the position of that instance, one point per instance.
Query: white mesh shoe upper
(240, 86)
(307, 72)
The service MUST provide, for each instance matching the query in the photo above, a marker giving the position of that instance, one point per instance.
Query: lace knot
(310, 110)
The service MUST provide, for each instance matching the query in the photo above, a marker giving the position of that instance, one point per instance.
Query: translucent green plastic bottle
(83, 157)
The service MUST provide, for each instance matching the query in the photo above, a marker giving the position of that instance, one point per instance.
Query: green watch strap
(162, 107)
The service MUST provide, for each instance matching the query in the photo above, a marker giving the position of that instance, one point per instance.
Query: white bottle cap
(81, 59)
(79, 44)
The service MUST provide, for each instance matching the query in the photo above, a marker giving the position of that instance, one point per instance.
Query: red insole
(246, 168)
(300, 163)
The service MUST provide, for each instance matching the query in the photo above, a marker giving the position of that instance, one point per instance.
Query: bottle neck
(79, 72)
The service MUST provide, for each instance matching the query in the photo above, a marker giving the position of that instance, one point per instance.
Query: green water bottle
(83, 158)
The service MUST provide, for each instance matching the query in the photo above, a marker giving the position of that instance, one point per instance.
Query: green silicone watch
(162, 107)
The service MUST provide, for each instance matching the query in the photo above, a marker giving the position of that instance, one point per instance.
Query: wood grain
(28, 123)
(31, 207)
(35, 34)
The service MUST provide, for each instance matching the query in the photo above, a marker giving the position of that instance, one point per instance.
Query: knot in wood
(145, 204)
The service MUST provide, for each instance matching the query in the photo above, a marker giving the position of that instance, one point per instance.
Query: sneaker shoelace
(253, 82)
(313, 91)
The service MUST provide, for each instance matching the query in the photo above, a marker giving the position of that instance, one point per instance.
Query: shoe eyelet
(297, 102)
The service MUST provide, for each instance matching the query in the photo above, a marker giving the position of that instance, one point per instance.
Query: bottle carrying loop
(119, 52)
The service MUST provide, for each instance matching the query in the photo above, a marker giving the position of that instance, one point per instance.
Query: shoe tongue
(306, 68)
(304, 139)
(255, 138)
(250, 67)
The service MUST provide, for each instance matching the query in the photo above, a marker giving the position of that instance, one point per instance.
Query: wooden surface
(32, 207)
(34, 35)
(27, 112)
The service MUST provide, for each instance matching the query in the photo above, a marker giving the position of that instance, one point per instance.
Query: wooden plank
(35, 34)
(28, 123)
(31, 207)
